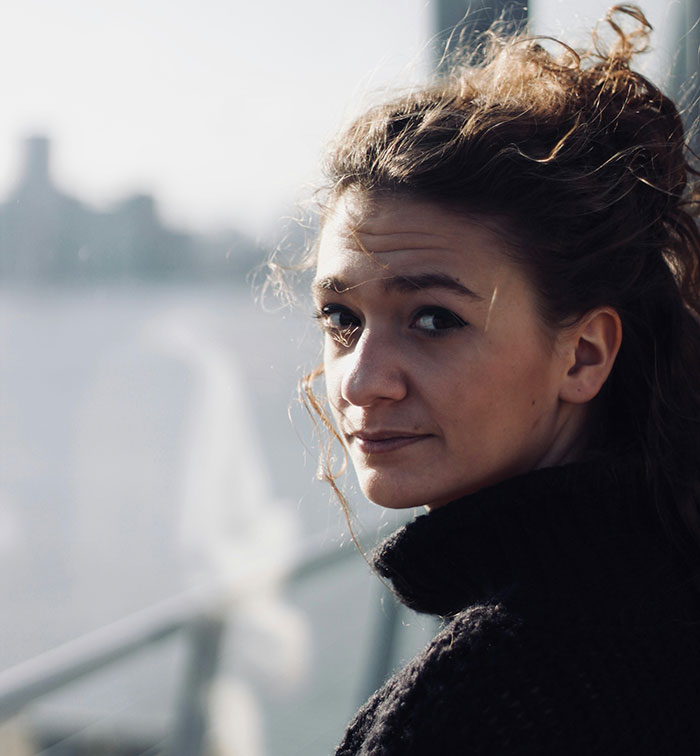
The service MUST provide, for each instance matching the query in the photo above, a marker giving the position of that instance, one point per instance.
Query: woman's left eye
(434, 320)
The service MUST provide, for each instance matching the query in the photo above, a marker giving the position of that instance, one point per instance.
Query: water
(145, 446)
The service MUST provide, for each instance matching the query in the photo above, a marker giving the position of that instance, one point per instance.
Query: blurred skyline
(219, 109)
(49, 236)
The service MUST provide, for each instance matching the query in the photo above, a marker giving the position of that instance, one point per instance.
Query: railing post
(190, 727)
(382, 648)
(199, 613)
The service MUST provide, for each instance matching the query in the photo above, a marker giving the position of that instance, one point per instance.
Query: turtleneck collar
(571, 536)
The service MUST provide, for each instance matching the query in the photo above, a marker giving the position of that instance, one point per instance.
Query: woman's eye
(338, 317)
(340, 322)
(433, 320)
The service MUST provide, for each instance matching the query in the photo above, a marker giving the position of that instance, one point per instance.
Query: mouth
(380, 442)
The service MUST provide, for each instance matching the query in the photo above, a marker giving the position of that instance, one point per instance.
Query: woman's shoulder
(492, 682)
(462, 659)
(431, 703)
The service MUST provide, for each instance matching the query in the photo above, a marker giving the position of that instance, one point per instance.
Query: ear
(590, 349)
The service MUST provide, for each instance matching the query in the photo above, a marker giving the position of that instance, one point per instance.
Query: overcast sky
(217, 107)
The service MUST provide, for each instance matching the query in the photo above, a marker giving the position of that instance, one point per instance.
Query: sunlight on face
(440, 375)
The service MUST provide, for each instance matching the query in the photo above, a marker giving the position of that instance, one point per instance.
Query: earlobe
(591, 348)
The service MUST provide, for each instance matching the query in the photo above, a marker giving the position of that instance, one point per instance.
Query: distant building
(47, 235)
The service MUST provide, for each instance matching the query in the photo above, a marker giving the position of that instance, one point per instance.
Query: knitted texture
(573, 626)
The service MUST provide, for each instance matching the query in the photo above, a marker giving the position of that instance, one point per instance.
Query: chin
(383, 495)
(397, 496)
(400, 492)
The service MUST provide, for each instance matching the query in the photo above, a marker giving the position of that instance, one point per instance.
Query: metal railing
(201, 614)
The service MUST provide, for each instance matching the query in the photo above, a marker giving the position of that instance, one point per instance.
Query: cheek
(332, 376)
(530, 394)
(500, 397)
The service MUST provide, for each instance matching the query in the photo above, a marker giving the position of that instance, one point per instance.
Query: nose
(373, 372)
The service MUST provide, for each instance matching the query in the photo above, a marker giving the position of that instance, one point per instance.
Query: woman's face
(440, 375)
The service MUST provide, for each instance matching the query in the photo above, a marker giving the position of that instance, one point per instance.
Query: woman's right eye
(339, 322)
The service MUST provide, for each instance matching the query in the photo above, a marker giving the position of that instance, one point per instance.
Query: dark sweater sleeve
(452, 698)
(489, 684)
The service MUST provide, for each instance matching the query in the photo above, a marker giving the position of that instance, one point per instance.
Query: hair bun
(626, 44)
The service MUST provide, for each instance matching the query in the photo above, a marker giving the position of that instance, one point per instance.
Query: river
(145, 446)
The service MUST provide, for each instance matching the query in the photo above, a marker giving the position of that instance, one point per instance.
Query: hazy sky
(216, 106)
(219, 108)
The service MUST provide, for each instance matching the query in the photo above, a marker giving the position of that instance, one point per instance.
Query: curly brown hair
(583, 164)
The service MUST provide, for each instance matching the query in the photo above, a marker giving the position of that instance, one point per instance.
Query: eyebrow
(416, 282)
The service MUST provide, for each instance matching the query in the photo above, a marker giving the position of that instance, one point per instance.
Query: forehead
(364, 237)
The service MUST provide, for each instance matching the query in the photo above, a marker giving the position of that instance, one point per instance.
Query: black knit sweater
(573, 625)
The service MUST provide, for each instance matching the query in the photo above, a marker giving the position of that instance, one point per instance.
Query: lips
(380, 442)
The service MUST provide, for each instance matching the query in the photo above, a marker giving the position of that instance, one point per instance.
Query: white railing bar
(53, 669)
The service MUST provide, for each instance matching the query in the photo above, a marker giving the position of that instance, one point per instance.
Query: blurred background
(173, 579)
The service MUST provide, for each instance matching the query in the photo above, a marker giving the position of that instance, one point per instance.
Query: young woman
(507, 280)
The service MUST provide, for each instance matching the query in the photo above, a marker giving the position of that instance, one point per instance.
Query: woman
(507, 279)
